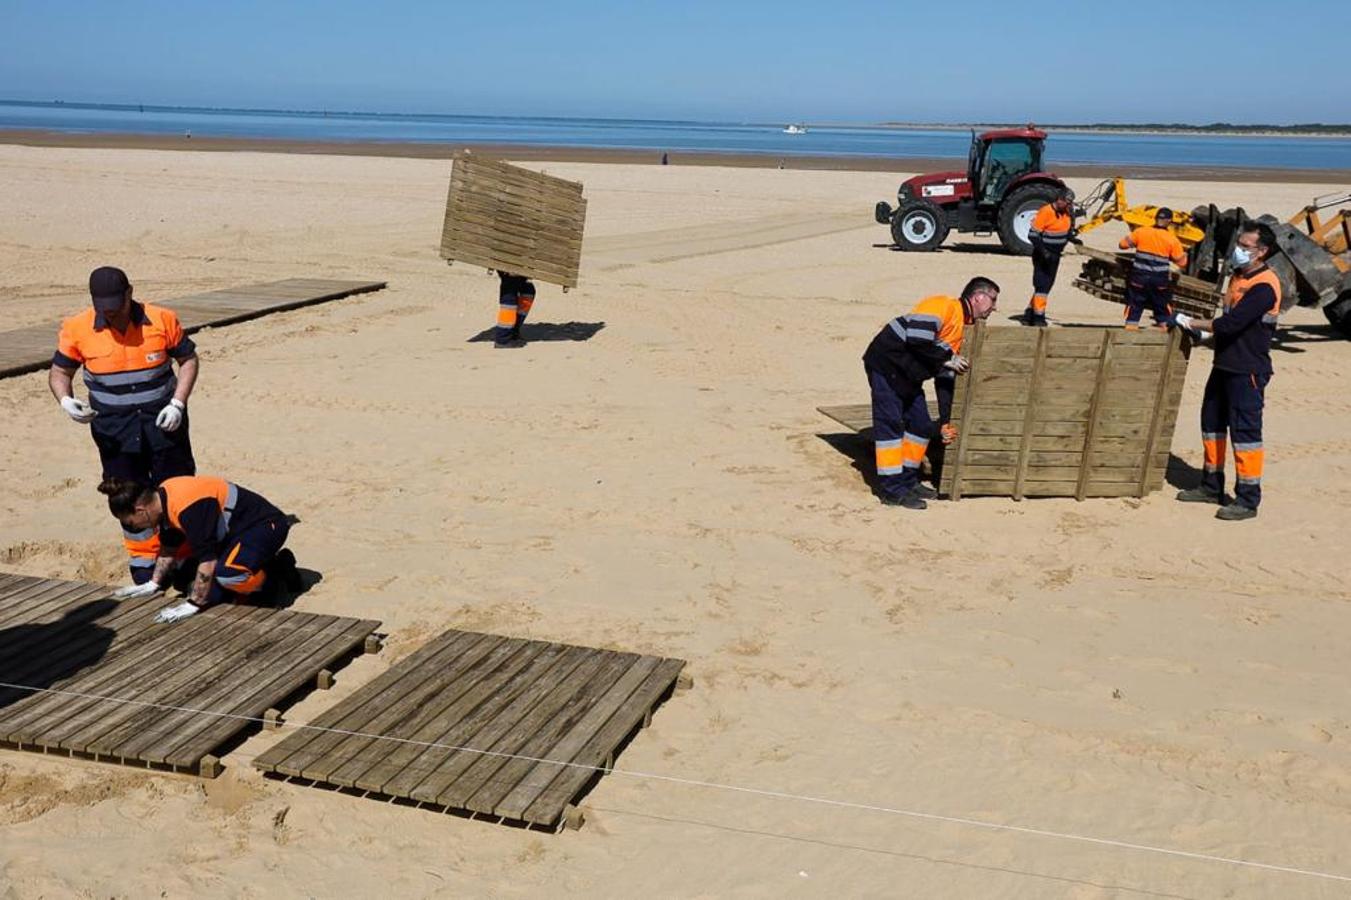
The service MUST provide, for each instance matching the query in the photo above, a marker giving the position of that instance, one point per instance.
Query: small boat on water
(795, 129)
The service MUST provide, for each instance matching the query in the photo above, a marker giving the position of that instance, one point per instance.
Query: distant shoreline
(537, 153)
(1333, 132)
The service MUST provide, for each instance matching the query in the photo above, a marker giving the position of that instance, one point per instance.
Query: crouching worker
(924, 343)
(235, 534)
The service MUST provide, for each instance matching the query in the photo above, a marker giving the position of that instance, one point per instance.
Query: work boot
(911, 500)
(1200, 494)
(1034, 319)
(1236, 512)
(282, 570)
(510, 344)
(925, 492)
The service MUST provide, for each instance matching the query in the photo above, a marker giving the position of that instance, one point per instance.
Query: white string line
(714, 785)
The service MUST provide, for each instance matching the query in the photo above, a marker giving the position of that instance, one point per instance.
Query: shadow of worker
(36, 656)
(544, 332)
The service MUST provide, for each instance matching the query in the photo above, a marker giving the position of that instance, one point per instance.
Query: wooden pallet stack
(1065, 412)
(511, 219)
(1104, 275)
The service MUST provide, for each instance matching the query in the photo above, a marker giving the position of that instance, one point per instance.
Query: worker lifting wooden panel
(1059, 412)
(511, 219)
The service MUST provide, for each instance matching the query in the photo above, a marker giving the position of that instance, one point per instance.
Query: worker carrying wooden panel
(525, 225)
(911, 349)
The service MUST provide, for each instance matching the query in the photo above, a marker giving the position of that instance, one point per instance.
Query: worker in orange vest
(1235, 394)
(515, 298)
(138, 407)
(923, 344)
(1150, 283)
(1052, 228)
(236, 536)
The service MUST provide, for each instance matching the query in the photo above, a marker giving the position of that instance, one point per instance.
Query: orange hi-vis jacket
(208, 513)
(1243, 332)
(1050, 229)
(1154, 247)
(915, 345)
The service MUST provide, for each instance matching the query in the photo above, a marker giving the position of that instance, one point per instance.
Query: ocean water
(657, 136)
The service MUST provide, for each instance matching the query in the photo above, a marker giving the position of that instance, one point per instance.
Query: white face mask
(1240, 257)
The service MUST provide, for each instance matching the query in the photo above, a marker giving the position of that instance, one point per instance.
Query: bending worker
(138, 407)
(1149, 283)
(1051, 230)
(515, 297)
(924, 343)
(1236, 390)
(235, 534)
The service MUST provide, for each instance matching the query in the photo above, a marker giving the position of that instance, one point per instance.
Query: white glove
(176, 612)
(958, 363)
(78, 410)
(1183, 321)
(1203, 337)
(171, 416)
(136, 591)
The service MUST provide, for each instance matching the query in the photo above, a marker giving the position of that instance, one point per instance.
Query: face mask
(1240, 257)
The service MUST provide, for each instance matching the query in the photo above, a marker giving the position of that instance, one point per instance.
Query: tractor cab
(1000, 158)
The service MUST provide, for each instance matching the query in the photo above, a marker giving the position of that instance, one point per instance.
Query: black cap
(108, 287)
(1164, 213)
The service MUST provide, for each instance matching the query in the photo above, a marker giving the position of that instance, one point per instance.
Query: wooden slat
(1032, 388)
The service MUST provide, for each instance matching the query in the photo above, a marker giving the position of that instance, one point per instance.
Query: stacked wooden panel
(1065, 412)
(84, 674)
(511, 219)
(1104, 275)
(501, 727)
(29, 349)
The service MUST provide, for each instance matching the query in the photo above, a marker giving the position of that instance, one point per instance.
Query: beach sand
(1130, 670)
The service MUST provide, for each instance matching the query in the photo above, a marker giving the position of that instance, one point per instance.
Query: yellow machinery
(1104, 273)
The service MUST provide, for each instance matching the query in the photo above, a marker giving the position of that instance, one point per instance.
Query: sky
(821, 61)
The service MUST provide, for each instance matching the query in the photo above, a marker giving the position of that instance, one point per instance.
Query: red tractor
(1003, 187)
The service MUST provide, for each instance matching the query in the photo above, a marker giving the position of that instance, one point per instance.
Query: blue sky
(837, 60)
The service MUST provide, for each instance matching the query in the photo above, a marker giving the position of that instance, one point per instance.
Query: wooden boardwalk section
(119, 688)
(510, 729)
(29, 349)
(1059, 412)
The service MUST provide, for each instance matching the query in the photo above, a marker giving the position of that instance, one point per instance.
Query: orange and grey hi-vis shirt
(206, 512)
(1154, 248)
(1050, 229)
(915, 345)
(1243, 332)
(130, 374)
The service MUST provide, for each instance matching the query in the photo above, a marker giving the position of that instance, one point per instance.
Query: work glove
(78, 410)
(177, 611)
(171, 416)
(136, 591)
(958, 364)
(949, 433)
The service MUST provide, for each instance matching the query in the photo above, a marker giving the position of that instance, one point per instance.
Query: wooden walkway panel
(29, 349)
(511, 219)
(1059, 412)
(502, 727)
(96, 677)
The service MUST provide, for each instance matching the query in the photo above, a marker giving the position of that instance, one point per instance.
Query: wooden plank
(565, 785)
(41, 599)
(964, 410)
(380, 696)
(1033, 386)
(514, 666)
(1159, 413)
(514, 735)
(60, 712)
(339, 640)
(1090, 431)
(521, 787)
(545, 729)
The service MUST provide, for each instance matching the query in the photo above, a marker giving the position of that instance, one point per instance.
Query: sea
(1101, 148)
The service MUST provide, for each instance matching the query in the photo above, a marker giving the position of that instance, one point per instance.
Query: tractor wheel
(1339, 313)
(919, 225)
(1017, 212)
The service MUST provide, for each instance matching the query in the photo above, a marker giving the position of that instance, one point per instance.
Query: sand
(1123, 669)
